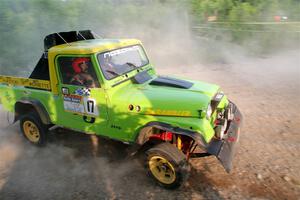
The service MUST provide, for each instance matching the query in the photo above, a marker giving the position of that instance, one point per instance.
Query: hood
(167, 97)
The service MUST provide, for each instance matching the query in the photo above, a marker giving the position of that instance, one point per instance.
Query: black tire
(167, 165)
(33, 129)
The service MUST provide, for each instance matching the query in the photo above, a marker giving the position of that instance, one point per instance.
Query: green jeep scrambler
(109, 88)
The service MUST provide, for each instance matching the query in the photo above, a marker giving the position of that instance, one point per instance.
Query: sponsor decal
(116, 127)
(182, 113)
(83, 92)
(120, 51)
(42, 84)
(80, 105)
(73, 103)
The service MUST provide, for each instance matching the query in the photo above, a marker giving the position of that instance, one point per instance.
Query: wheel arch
(146, 132)
(24, 106)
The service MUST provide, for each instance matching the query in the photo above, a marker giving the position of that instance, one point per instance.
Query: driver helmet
(77, 62)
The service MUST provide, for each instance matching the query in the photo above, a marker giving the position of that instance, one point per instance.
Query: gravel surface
(78, 166)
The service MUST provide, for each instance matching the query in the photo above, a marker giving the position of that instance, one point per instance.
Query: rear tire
(167, 165)
(33, 129)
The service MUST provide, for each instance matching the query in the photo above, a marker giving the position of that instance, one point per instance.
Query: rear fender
(27, 105)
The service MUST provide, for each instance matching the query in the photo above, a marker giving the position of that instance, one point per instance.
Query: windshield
(121, 61)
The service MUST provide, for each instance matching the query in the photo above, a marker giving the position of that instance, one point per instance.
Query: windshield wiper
(132, 65)
(112, 72)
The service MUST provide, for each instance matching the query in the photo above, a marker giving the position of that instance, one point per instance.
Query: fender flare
(144, 134)
(37, 105)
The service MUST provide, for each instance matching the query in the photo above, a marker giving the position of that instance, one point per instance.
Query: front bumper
(224, 149)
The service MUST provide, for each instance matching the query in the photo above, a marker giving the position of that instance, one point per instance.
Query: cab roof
(91, 46)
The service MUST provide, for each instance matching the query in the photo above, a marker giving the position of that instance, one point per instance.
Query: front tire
(33, 129)
(167, 165)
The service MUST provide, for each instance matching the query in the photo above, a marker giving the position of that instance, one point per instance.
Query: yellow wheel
(167, 165)
(162, 169)
(33, 129)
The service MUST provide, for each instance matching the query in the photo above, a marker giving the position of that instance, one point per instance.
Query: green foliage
(239, 21)
(244, 10)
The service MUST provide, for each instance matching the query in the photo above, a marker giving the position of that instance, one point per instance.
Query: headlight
(208, 111)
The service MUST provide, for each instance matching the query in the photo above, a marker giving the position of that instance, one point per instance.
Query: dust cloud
(72, 166)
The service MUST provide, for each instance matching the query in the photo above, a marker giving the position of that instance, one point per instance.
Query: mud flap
(224, 149)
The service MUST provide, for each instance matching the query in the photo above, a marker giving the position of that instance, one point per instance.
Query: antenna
(81, 35)
(63, 39)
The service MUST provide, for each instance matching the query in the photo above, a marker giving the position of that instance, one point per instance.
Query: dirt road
(76, 166)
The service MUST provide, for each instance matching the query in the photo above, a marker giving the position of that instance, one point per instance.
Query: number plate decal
(90, 106)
